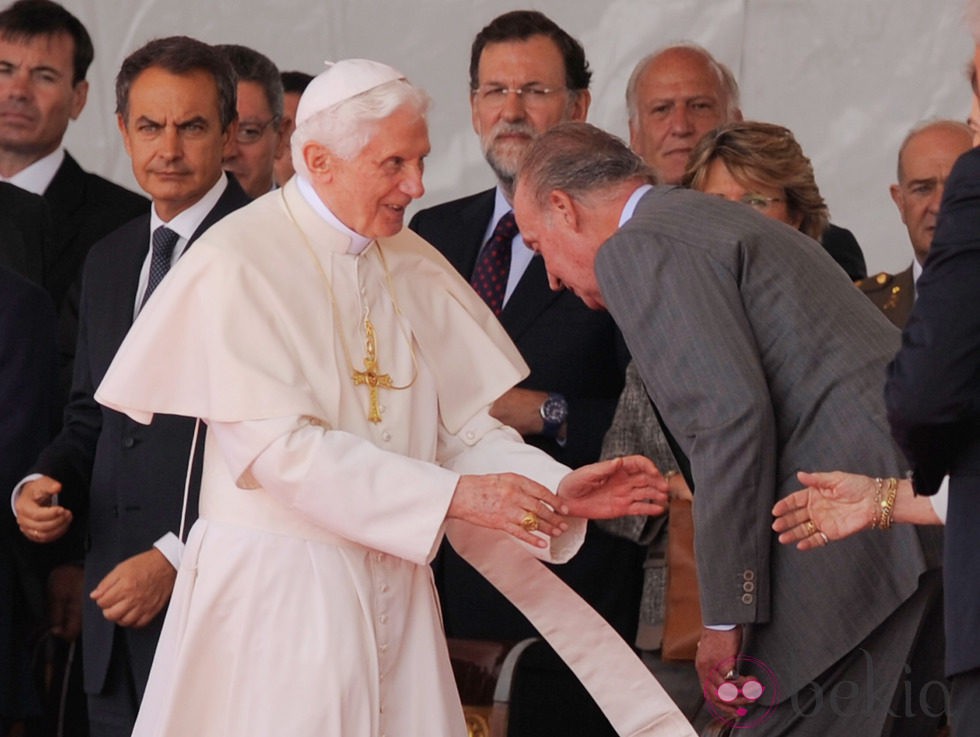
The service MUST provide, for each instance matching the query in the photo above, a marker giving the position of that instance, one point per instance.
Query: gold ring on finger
(530, 522)
(811, 529)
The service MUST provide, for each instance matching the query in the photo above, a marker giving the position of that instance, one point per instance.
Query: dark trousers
(964, 707)
(112, 712)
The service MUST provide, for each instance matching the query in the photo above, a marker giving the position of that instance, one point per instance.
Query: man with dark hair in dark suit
(45, 53)
(526, 75)
(175, 100)
(933, 399)
(263, 130)
(28, 398)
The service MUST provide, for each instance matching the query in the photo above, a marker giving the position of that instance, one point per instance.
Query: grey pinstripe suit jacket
(763, 359)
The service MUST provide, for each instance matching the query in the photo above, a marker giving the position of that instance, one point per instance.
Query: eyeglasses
(250, 132)
(758, 201)
(532, 95)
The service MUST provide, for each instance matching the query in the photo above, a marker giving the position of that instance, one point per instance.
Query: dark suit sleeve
(933, 389)
(27, 373)
(70, 455)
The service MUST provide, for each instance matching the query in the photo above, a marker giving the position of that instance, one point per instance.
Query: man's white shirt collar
(634, 199)
(188, 221)
(36, 177)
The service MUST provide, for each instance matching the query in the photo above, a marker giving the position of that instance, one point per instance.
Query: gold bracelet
(876, 503)
(888, 506)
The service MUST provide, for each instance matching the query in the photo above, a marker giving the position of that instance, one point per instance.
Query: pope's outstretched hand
(526, 509)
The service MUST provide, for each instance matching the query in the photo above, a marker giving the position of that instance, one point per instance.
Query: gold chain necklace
(370, 376)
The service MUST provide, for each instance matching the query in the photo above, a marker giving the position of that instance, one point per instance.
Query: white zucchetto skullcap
(341, 81)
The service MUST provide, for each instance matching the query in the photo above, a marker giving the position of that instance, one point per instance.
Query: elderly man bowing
(345, 373)
(771, 350)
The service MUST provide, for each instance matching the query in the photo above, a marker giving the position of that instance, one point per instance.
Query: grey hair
(927, 125)
(726, 80)
(346, 128)
(580, 160)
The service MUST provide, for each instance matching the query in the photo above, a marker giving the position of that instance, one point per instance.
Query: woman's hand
(834, 505)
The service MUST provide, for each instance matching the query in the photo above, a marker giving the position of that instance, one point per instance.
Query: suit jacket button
(748, 575)
(747, 598)
(129, 442)
(748, 587)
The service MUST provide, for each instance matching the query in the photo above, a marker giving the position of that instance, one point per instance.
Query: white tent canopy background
(848, 77)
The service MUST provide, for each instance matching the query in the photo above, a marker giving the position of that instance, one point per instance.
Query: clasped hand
(614, 488)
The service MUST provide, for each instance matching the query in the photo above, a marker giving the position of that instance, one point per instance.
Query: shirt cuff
(721, 627)
(172, 549)
(20, 487)
(940, 500)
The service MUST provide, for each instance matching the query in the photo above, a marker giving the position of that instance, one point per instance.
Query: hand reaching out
(836, 504)
(614, 488)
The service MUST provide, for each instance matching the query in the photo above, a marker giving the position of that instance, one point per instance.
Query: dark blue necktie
(164, 240)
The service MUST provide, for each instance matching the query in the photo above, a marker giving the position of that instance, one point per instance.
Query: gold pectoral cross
(370, 376)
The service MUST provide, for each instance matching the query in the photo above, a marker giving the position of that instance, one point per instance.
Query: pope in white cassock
(345, 372)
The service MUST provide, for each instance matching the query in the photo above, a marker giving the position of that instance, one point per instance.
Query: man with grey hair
(674, 96)
(770, 352)
(345, 373)
(262, 127)
(925, 159)
(678, 94)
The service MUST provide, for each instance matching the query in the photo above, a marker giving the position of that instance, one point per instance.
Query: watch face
(554, 410)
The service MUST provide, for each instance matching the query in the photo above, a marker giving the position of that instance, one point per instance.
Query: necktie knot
(164, 241)
(493, 267)
(506, 228)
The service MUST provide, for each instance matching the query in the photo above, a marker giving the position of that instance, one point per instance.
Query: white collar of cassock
(358, 242)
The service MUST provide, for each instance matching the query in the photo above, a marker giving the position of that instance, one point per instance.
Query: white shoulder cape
(235, 331)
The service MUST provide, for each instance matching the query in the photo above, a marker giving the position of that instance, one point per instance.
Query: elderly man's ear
(319, 160)
(565, 209)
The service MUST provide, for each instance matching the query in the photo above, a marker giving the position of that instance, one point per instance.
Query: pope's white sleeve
(483, 445)
(341, 482)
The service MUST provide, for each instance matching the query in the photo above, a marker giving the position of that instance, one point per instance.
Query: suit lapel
(130, 264)
(65, 196)
(231, 199)
(530, 299)
(473, 221)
